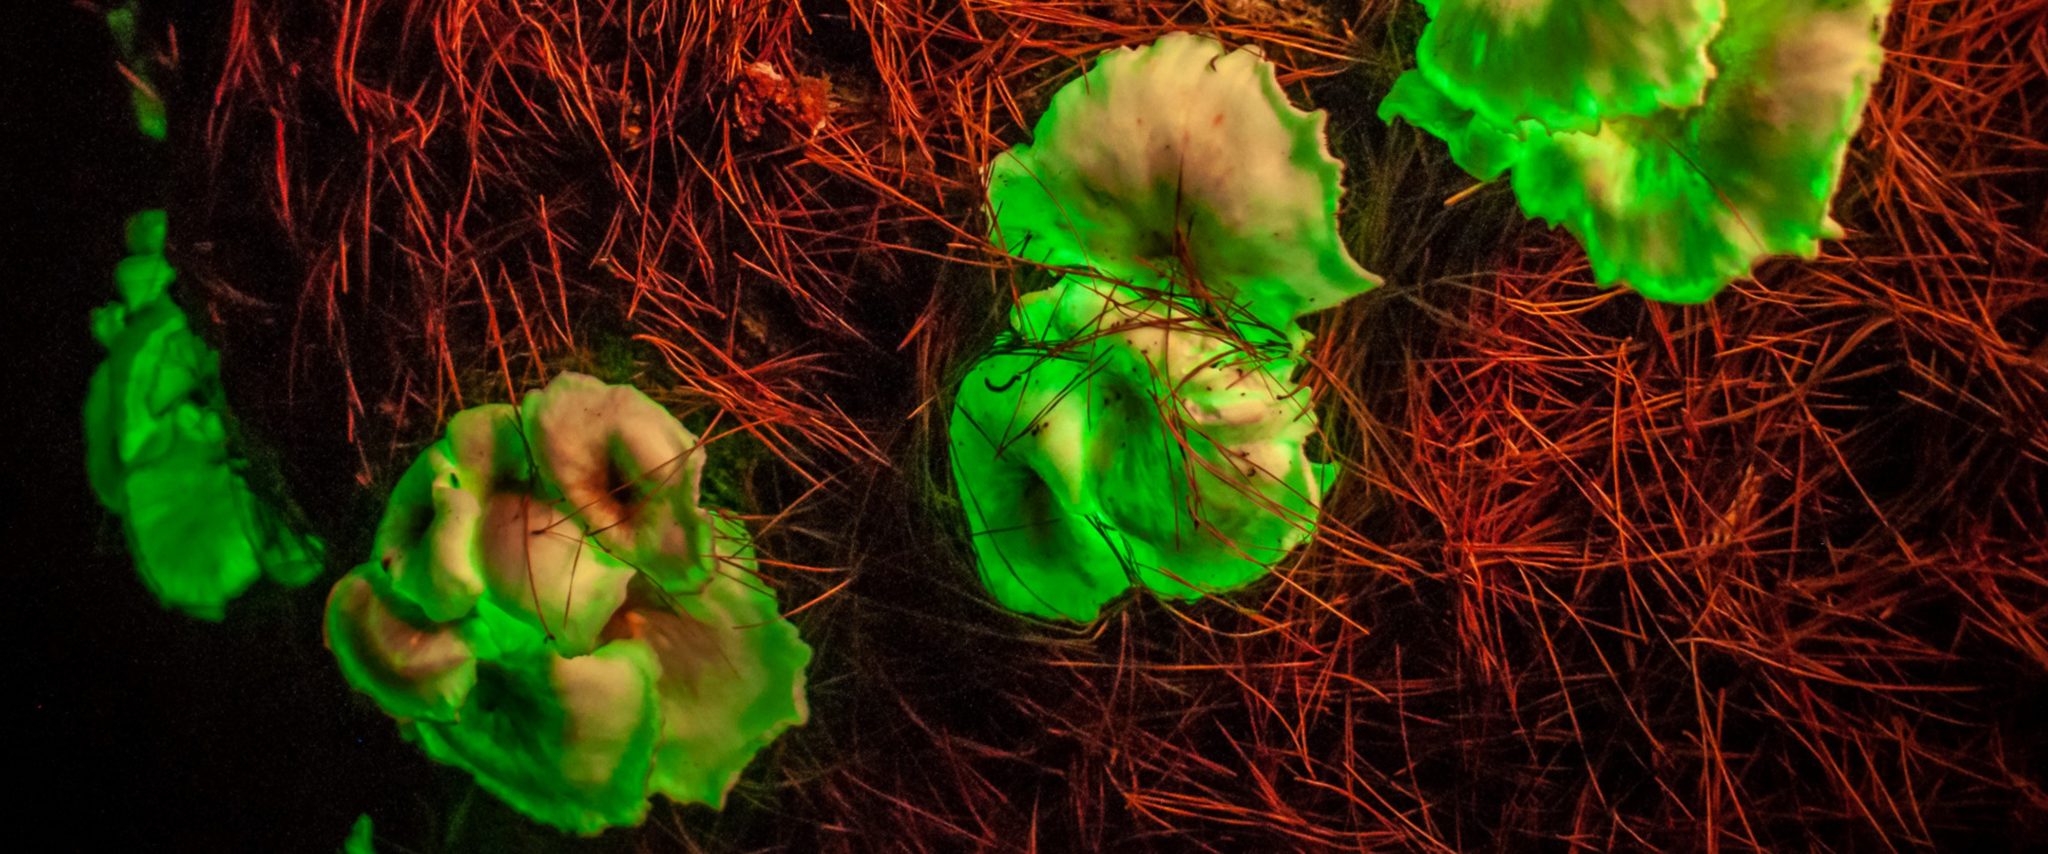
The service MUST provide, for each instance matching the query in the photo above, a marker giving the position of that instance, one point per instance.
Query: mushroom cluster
(1139, 423)
(159, 451)
(549, 609)
(1567, 64)
(1685, 141)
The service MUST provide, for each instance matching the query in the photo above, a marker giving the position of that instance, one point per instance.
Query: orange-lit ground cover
(1769, 572)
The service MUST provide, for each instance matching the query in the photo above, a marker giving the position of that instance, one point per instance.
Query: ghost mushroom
(1139, 423)
(550, 610)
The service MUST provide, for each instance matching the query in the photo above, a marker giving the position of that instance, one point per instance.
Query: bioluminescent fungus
(549, 609)
(1120, 439)
(158, 452)
(1140, 424)
(1182, 153)
(362, 837)
(1680, 200)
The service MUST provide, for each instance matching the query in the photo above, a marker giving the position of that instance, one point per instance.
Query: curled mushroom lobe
(549, 609)
(161, 449)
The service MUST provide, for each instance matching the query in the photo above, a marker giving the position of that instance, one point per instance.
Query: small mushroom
(158, 449)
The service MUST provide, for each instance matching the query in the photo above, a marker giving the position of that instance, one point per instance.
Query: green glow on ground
(158, 452)
(150, 117)
(550, 610)
(1681, 198)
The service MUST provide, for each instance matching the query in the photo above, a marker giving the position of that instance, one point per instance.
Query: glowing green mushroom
(1184, 161)
(362, 837)
(1139, 425)
(158, 451)
(550, 610)
(1680, 201)
(1121, 439)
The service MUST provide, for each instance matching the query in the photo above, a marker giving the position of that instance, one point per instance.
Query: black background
(136, 728)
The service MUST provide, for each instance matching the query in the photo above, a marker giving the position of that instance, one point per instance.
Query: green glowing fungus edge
(158, 450)
(1566, 64)
(1182, 154)
(123, 22)
(1680, 200)
(549, 609)
(1118, 438)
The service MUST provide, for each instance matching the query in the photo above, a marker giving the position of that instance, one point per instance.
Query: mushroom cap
(158, 452)
(545, 570)
(1683, 203)
(1182, 157)
(567, 741)
(154, 365)
(726, 654)
(427, 539)
(1126, 440)
(1019, 456)
(1680, 202)
(551, 612)
(190, 523)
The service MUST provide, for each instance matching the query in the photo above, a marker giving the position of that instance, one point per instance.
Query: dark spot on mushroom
(619, 486)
